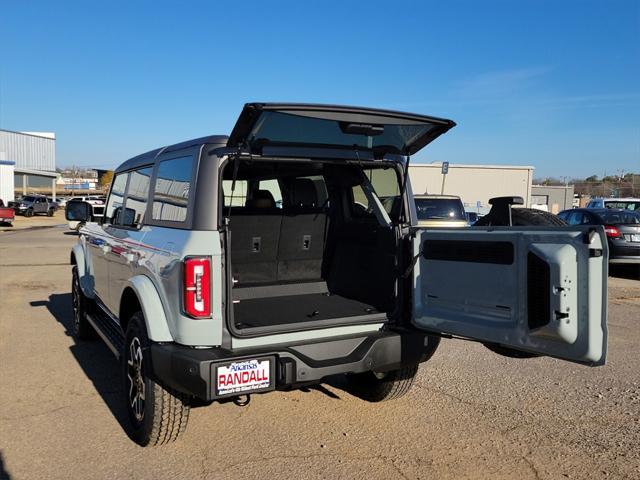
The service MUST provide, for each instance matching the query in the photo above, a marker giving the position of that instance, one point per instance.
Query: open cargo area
(307, 244)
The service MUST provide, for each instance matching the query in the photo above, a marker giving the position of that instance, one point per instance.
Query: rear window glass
(440, 209)
(280, 128)
(172, 189)
(237, 197)
(624, 205)
(621, 217)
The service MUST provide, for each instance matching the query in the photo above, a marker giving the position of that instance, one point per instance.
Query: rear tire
(157, 415)
(380, 387)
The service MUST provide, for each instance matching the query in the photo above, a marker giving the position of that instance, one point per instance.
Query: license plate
(633, 238)
(244, 376)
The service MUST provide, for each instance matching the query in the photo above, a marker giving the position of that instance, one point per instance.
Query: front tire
(157, 416)
(380, 387)
(29, 212)
(50, 212)
(81, 327)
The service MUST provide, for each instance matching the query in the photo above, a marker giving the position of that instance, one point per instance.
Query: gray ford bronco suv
(289, 252)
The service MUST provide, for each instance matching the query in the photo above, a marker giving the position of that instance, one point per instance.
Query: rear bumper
(192, 371)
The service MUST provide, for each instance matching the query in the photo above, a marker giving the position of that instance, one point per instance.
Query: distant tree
(592, 178)
(105, 180)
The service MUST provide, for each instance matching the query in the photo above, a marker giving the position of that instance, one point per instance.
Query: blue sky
(553, 84)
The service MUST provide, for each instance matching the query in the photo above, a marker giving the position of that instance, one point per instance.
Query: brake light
(612, 231)
(197, 287)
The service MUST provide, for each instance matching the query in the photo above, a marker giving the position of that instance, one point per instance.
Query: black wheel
(81, 328)
(522, 217)
(157, 415)
(29, 212)
(379, 387)
(50, 212)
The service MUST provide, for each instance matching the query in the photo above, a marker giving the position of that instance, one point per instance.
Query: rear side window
(237, 197)
(575, 218)
(172, 189)
(116, 199)
(137, 197)
(621, 217)
(385, 184)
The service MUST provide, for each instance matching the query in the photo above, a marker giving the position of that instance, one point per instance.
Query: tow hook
(242, 400)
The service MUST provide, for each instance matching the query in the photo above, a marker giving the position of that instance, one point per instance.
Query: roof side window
(137, 197)
(172, 189)
(116, 199)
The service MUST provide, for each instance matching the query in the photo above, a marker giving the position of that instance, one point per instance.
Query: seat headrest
(261, 199)
(303, 193)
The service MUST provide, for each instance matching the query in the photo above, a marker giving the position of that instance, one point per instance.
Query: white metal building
(33, 155)
(474, 184)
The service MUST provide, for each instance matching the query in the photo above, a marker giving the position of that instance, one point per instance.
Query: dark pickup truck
(31, 205)
(7, 214)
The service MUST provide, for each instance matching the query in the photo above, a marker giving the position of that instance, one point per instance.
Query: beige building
(474, 184)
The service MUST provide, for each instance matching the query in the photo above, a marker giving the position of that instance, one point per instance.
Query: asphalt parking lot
(472, 414)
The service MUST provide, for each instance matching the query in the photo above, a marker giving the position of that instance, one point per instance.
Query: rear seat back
(255, 234)
(270, 245)
(302, 234)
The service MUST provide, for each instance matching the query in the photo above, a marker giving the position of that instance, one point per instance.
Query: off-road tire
(522, 217)
(163, 415)
(29, 212)
(378, 387)
(80, 327)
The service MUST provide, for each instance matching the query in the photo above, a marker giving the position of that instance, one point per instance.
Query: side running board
(108, 330)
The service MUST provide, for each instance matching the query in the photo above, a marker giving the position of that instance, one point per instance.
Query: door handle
(132, 256)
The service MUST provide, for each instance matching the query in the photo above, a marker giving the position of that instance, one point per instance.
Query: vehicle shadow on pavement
(4, 475)
(630, 272)
(95, 359)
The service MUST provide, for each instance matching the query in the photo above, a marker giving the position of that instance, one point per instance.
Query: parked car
(62, 201)
(622, 203)
(7, 215)
(207, 290)
(30, 205)
(621, 226)
(440, 211)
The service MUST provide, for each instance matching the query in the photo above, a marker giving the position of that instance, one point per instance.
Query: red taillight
(612, 231)
(197, 287)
